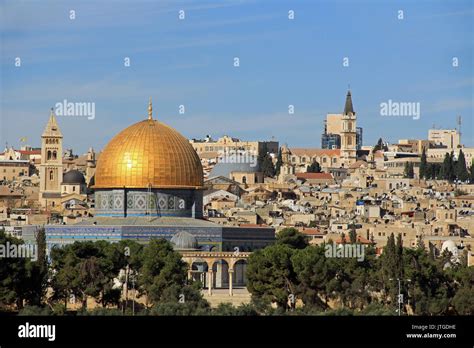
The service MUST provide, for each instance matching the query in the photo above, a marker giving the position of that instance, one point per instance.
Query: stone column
(190, 274)
(210, 278)
(231, 273)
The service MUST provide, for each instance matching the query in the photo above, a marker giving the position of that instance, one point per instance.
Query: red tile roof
(30, 152)
(311, 152)
(310, 231)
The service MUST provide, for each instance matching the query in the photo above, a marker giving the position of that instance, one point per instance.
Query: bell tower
(51, 167)
(348, 133)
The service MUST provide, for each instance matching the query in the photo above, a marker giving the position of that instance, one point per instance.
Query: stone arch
(239, 268)
(233, 261)
(198, 269)
(220, 271)
(199, 260)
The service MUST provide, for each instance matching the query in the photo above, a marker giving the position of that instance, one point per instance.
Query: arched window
(55, 155)
(51, 175)
(244, 179)
(49, 154)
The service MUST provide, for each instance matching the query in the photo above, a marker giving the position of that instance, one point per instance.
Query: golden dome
(149, 153)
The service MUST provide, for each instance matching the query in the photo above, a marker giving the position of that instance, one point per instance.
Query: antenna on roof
(459, 121)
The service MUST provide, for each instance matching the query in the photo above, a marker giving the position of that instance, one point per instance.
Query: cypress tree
(265, 162)
(460, 168)
(423, 165)
(409, 171)
(353, 235)
(399, 256)
(447, 169)
(279, 162)
(472, 173)
(314, 168)
(378, 146)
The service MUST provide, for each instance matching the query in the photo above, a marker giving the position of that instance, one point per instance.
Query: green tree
(181, 299)
(267, 166)
(163, 273)
(292, 237)
(472, 173)
(125, 255)
(353, 235)
(313, 273)
(270, 275)
(423, 166)
(265, 162)
(460, 168)
(35, 311)
(83, 269)
(379, 146)
(37, 271)
(430, 288)
(279, 162)
(354, 280)
(463, 301)
(435, 170)
(409, 171)
(13, 274)
(227, 309)
(447, 168)
(314, 168)
(390, 268)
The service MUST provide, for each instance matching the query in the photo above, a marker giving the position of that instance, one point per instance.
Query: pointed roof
(52, 128)
(348, 108)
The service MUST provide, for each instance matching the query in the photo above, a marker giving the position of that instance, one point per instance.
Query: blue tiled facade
(216, 238)
(139, 202)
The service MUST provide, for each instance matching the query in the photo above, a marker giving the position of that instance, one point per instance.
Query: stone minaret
(348, 133)
(51, 167)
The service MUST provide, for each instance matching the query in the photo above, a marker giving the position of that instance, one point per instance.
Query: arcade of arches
(217, 269)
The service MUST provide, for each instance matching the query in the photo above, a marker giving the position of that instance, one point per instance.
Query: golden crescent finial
(150, 110)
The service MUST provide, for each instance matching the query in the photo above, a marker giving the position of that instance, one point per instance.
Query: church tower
(51, 167)
(348, 133)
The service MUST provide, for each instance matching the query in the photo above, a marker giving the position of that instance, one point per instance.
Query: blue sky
(190, 62)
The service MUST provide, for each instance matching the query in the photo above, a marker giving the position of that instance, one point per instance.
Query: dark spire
(348, 108)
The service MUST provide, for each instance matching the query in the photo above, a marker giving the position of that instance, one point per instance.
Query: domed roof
(74, 177)
(149, 153)
(450, 246)
(226, 168)
(184, 241)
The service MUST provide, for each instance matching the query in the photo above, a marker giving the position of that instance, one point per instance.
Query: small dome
(92, 181)
(74, 177)
(450, 246)
(184, 241)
